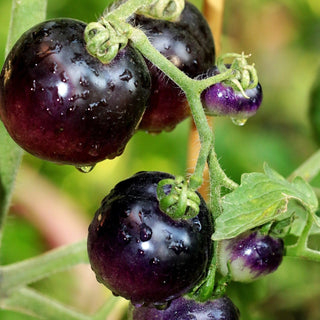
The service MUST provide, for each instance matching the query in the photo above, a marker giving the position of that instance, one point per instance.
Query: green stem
(218, 179)
(300, 249)
(192, 89)
(24, 14)
(205, 292)
(309, 169)
(31, 270)
(127, 9)
(29, 302)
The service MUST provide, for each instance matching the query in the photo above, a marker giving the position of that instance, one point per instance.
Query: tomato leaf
(261, 198)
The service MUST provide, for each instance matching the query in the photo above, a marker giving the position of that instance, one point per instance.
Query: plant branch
(28, 301)
(30, 270)
(300, 249)
(192, 89)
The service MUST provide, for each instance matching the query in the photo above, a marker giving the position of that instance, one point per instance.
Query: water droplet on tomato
(126, 75)
(145, 232)
(239, 122)
(85, 169)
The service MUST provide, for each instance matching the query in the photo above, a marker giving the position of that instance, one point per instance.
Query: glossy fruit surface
(61, 104)
(251, 255)
(188, 44)
(186, 309)
(139, 252)
(222, 100)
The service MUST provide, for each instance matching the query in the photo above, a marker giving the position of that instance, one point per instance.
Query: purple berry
(139, 252)
(186, 309)
(189, 45)
(251, 255)
(61, 104)
(222, 100)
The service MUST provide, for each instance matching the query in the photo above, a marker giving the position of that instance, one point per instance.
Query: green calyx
(106, 37)
(245, 75)
(163, 9)
(176, 199)
(104, 40)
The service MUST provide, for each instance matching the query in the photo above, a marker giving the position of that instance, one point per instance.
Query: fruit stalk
(31, 270)
(192, 89)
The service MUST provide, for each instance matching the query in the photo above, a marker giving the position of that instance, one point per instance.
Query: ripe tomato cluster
(61, 104)
(73, 109)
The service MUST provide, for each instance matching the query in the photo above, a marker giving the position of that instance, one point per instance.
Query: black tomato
(139, 252)
(189, 45)
(61, 104)
(187, 309)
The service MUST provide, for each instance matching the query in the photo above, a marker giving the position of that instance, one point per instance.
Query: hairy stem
(192, 89)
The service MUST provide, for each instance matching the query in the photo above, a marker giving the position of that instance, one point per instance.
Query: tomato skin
(63, 105)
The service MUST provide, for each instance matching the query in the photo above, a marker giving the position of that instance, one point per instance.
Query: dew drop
(83, 82)
(155, 261)
(126, 75)
(162, 305)
(239, 122)
(140, 252)
(188, 49)
(145, 232)
(85, 169)
(177, 246)
(125, 236)
(111, 85)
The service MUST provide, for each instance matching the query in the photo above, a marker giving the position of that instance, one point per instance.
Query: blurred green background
(283, 37)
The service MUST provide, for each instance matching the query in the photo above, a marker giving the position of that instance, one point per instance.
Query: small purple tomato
(250, 256)
(187, 309)
(222, 100)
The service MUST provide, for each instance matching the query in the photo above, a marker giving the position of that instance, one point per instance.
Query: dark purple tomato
(189, 45)
(61, 104)
(222, 100)
(139, 252)
(251, 255)
(186, 309)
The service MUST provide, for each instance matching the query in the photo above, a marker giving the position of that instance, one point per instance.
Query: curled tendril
(245, 75)
(103, 41)
(163, 9)
(176, 200)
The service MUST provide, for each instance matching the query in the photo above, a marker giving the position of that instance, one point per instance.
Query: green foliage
(261, 198)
